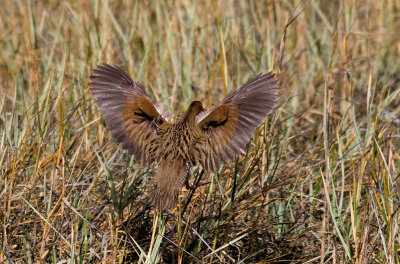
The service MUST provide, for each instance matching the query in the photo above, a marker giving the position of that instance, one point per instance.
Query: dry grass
(319, 182)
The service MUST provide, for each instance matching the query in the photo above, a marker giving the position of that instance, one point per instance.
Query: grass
(318, 183)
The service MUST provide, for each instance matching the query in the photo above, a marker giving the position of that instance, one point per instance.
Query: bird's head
(195, 108)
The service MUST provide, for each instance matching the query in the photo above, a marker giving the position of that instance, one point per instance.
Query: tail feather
(163, 198)
(168, 182)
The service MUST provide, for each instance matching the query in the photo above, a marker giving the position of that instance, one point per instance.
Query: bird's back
(176, 141)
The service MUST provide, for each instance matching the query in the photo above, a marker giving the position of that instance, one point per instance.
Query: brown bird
(198, 138)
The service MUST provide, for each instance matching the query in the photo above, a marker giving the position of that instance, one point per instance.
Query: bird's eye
(160, 122)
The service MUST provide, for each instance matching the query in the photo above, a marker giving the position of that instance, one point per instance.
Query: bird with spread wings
(199, 138)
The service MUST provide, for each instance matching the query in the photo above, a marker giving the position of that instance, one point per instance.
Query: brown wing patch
(219, 127)
(229, 127)
(128, 112)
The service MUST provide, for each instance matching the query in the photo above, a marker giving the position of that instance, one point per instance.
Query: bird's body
(175, 141)
(208, 140)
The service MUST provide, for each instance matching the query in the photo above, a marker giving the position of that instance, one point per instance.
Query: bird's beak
(203, 112)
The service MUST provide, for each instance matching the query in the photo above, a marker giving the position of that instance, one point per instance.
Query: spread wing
(128, 112)
(229, 127)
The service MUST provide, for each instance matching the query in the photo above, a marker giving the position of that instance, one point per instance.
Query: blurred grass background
(319, 182)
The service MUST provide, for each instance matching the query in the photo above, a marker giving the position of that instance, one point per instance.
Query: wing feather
(229, 127)
(128, 112)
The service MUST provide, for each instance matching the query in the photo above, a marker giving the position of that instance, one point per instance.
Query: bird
(199, 138)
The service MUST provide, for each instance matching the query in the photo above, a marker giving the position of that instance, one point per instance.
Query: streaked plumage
(208, 140)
